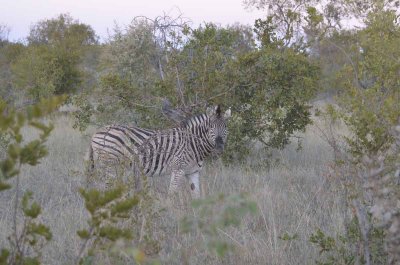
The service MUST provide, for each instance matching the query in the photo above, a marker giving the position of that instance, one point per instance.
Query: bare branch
(173, 114)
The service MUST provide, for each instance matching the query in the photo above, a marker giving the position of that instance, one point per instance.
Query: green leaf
(113, 233)
(197, 203)
(84, 234)
(88, 260)
(4, 256)
(4, 186)
(8, 168)
(40, 229)
(32, 152)
(124, 206)
(13, 151)
(94, 199)
(31, 261)
(187, 225)
(220, 247)
(287, 237)
(325, 243)
(252, 206)
(32, 210)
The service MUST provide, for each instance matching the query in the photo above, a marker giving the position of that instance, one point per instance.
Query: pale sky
(19, 15)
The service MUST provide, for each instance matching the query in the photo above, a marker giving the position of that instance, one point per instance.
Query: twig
(364, 228)
(83, 247)
(16, 210)
(304, 212)
(179, 87)
(230, 237)
(351, 62)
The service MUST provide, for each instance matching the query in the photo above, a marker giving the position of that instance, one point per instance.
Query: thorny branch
(377, 177)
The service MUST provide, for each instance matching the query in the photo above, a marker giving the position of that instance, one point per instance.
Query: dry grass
(294, 196)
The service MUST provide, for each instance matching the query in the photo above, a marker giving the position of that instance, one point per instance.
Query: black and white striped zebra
(180, 151)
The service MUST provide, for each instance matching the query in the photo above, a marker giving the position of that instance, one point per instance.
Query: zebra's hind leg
(137, 176)
(177, 180)
(194, 185)
(89, 166)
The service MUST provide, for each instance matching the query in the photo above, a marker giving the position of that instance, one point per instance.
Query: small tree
(50, 64)
(164, 58)
(27, 238)
(368, 95)
(271, 92)
(370, 109)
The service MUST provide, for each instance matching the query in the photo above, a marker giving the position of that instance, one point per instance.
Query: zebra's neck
(197, 128)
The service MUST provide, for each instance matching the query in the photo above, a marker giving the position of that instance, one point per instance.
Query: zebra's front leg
(177, 179)
(194, 185)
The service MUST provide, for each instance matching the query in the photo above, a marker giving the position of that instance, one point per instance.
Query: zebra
(180, 150)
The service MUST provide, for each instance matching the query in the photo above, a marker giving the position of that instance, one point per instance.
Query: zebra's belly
(192, 167)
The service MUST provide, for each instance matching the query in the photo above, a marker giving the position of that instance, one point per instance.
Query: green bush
(26, 243)
(50, 63)
(267, 88)
(270, 96)
(345, 249)
(212, 216)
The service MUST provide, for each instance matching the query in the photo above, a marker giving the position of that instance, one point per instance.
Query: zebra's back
(149, 151)
(180, 150)
(116, 143)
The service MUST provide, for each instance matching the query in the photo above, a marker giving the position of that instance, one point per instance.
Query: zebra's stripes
(180, 151)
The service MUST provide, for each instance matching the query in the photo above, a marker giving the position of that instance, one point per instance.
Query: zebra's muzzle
(219, 145)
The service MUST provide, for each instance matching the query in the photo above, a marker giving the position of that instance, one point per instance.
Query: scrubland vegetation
(310, 173)
(293, 196)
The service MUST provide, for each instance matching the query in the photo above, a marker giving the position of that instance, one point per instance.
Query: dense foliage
(49, 64)
(267, 87)
(361, 66)
(270, 96)
(29, 235)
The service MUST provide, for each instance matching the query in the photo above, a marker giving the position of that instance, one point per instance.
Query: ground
(293, 191)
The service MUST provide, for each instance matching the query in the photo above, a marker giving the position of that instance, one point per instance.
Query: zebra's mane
(194, 120)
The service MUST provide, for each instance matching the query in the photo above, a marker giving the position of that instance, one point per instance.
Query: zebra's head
(218, 130)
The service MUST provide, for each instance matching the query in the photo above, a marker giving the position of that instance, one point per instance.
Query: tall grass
(292, 190)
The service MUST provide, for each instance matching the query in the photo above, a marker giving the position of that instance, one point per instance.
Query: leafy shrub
(346, 249)
(25, 243)
(267, 88)
(213, 216)
(50, 63)
(31, 238)
(271, 92)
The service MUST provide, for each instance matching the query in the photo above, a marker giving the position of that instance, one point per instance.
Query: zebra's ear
(218, 111)
(214, 111)
(210, 111)
(227, 114)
